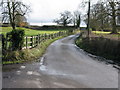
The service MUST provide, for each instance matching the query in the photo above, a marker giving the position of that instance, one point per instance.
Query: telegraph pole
(88, 25)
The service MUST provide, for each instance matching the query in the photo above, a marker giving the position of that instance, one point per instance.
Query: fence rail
(32, 41)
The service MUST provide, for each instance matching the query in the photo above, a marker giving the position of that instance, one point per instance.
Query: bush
(16, 38)
(70, 31)
(110, 49)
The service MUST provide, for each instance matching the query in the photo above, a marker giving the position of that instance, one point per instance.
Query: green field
(101, 32)
(106, 35)
(29, 32)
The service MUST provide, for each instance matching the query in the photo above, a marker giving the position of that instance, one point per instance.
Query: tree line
(105, 15)
(67, 17)
(15, 11)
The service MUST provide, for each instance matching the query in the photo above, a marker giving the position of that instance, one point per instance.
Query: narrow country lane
(63, 65)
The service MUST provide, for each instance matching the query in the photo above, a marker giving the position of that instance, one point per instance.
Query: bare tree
(77, 18)
(88, 24)
(113, 12)
(65, 18)
(11, 9)
(118, 17)
(105, 14)
(99, 19)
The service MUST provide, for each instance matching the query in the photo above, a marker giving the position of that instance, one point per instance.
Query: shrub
(110, 49)
(70, 31)
(16, 38)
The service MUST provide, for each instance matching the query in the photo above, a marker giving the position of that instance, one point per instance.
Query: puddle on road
(43, 68)
(59, 73)
(18, 72)
(71, 36)
(62, 85)
(22, 67)
(29, 72)
(33, 73)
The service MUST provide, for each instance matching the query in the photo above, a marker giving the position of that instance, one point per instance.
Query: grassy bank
(104, 47)
(27, 54)
(31, 32)
(105, 35)
(102, 32)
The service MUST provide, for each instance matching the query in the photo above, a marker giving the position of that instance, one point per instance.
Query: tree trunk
(13, 26)
(88, 25)
(11, 14)
(114, 29)
(78, 21)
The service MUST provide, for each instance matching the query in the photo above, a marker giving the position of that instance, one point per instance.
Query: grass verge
(101, 32)
(104, 47)
(28, 54)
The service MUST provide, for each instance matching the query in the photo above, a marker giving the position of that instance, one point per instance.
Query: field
(100, 32)
(29, 32)
(105, 35)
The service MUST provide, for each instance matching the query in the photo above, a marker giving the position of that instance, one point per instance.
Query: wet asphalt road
(63, 65)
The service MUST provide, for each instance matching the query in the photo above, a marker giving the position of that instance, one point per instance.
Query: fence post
(45, 36)
(38, 38)
(54, 35)
(26, 42)
(60, 33)
(66, 32)
(57, 34)
(31, 39)
(34, 41)
(42, 37)
(49, 36)
(6, 43)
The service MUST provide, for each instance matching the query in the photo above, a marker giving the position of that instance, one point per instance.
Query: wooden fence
(33, 41)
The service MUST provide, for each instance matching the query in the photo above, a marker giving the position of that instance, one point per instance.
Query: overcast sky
(47, 10)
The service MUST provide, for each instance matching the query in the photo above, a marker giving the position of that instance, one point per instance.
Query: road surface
(63, 65)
